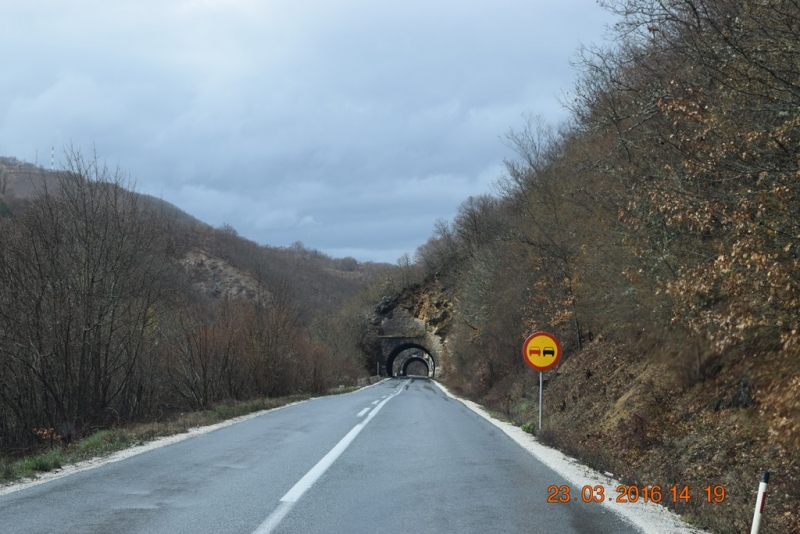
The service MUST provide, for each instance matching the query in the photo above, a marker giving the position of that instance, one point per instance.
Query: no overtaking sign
(541, 351)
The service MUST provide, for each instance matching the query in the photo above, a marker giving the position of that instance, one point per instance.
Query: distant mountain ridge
(220, 262)
(119, 307)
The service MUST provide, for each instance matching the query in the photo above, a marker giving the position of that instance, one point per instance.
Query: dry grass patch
(105, 442)
(663, 413)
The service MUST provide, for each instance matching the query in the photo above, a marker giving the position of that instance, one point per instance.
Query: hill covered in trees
(118, 307)
(657, 234)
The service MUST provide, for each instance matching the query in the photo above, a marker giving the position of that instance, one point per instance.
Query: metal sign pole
(541, 351)
(540, 401)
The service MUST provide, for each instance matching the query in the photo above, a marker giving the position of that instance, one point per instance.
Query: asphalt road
(396, 457)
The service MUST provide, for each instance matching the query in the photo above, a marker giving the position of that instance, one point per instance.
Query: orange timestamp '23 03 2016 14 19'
(631, 494)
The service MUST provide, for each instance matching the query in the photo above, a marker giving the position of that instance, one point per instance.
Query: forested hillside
(117, 307)
(657, 235)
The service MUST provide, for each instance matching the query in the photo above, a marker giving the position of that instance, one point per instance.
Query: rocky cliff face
(431, 305)
(217, 278)
(652, 411)
(418, 315)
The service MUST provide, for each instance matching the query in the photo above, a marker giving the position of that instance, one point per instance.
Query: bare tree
(86, 271)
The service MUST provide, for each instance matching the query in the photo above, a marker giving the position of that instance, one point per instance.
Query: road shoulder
(651, 518)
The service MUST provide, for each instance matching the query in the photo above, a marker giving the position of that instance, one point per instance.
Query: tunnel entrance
(416, 367)
(410, 358)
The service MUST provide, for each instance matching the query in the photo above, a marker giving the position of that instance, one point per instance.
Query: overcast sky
(348, 125)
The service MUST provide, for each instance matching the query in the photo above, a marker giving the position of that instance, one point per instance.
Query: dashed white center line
(362, 412)
(376, 402)
(297, 491)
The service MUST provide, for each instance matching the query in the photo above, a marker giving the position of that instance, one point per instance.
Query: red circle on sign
(534, 343)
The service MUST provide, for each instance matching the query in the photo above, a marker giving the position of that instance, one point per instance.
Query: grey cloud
(351, 125)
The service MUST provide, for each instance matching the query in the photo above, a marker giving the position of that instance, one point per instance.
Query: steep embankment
(657, 235)
(656, 412)
(643, 413)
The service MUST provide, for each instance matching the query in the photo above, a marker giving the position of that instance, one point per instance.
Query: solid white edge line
(650, 517)
(302, 485)
(124, 454)
(71, 469)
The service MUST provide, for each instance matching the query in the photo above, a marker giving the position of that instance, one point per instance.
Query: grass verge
(108, 441)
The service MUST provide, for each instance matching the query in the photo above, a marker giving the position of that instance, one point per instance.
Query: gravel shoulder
(649, 517)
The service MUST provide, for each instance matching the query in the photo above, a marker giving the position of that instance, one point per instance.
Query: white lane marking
(297, 491)
(362, 412)
(71, 469)
(376, 402)
(274, 518)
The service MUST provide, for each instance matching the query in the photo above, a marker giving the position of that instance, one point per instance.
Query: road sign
(541, 351)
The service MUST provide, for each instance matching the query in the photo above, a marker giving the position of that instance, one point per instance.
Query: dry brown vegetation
(657, 236)
(118, 308)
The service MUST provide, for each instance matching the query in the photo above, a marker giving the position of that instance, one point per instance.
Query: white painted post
(762, 490)
(540, 401)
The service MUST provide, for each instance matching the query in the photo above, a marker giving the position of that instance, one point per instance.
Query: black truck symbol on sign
(550, 351)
